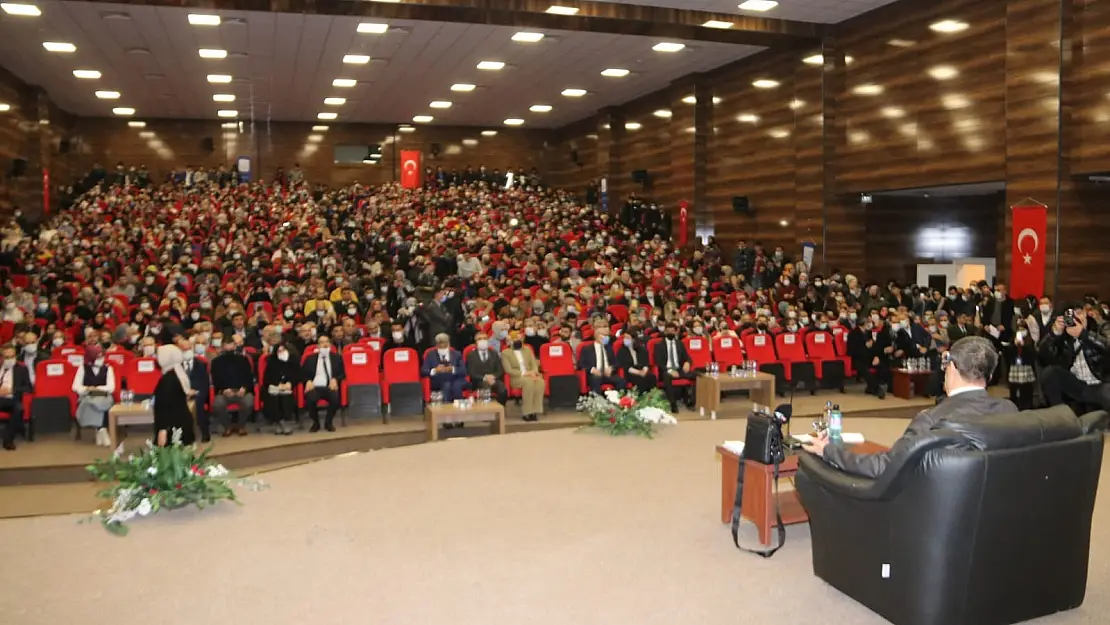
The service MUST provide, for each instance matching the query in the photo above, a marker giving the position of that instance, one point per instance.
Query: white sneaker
(102, 438)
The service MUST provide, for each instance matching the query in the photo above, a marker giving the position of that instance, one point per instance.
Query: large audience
(232, 272)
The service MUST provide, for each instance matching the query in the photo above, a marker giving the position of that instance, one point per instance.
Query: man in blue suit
(445, 368)
(200, 382)
(599, 363)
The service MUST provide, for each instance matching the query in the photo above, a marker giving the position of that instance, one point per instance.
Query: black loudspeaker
(208, 145)
(740, 204)
(19, 168)
(640, 176)
(574, 157)
(64, 146)
(435, 149)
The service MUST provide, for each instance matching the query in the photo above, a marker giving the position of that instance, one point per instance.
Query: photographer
(1073, 359)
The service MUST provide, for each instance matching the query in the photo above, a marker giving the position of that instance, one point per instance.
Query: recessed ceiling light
(893, 112)
(344, 82)
(18, 8)
(765, 83)
(227, 113)
(440, 104)
(200, 19)
(955, 101)
(514, 121)
(562, 10)
(526, 37)
(663, 113)
(748, 118)
(59, 46)
(86, 74)
(212, 53)
(796, 104)
(574, 93)
(489, 133)
(943, 72)
(758, 5)
(319, 128)
(614, 72)
(108, 95)
(335, 101)
(868, 89)
(314, 138)
(540, 108)
(423, 119)
(784, 223)
(717, 24)
(633, 125)
(137, 124)
(5, 107)
(668, 46)
(146, 134)
(815, 59)
(690, 99)
(407, 129)
(462, 86)
(470, 142)
(223, 97)
(900, 43)
(229, 125)
(779, 133)
(356, 59)
(371, 27)
(326, 116)
(219, 78)
(491, 65)
(123, 110)
(948, 26)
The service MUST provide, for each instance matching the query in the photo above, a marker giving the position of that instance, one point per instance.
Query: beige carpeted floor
(559, 527)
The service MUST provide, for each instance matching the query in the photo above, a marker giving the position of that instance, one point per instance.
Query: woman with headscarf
(94, 384)
(171, 398)
(278, 381)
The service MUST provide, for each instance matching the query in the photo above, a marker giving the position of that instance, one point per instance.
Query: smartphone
(1069, 318)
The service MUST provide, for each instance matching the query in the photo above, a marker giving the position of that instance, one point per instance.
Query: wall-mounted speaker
(64, 145)
(641, 176)
(574, 157)
(19, 168)
(208, 145)
(435, 149)
(740, 204)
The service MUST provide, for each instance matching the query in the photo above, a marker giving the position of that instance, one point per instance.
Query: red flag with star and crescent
(1028, 255)
(410, 169)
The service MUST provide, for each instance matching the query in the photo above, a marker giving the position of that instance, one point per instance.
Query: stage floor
(553, 528)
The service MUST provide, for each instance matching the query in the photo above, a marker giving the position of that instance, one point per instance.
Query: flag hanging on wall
(410, 169)
(1028, 254)
(683, 209)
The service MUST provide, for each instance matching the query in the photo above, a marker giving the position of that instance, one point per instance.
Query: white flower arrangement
(621, 413)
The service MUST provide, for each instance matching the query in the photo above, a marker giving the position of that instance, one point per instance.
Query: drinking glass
(437, 397)
(484, 395)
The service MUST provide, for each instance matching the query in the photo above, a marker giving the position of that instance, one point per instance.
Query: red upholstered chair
(119, 357)
(830, 368)
(54, 391)
(658, 373)
(840, 346)
(761, 349)
(619, 312)
(399, 366)
(728, 350)
(799, 368)
(698, 347)
(141, 376)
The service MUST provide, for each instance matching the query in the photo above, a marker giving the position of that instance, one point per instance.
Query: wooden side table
(909, 384)
(127, 414)
(709, 388)
(491, 412)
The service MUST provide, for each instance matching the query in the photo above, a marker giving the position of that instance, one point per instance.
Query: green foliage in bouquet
(629, 412)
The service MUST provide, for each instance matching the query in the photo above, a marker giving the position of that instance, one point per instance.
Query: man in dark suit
(967, 372)
(14, 382)
(444, 367)
(485, 370)
(599, 362)
(322, 372)
(200, 382)
(961, 328)
(673, 363)
(999, 312)
(233, 381)
(879, 350)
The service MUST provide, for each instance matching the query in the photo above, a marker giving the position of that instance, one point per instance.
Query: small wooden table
(436, 415)
(128, 414)
(909, 384)
(758, 505)
(708, 398)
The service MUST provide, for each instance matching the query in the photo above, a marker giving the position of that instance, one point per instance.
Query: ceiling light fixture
(373, 28)
(758, 5)
(779, 133)
(18, 8)
(146, 134)
(440, 104)
(86, 74)
(470, 142)
(137, 124)
(796, 104)
(717, 24)
(356, 59)
(815, 59)
(5, 107)
(765, 83)
(219, 78)
(562, 10)
(948, 26)
(514, 121)
(335, 101)
(663, 113)
(462, 86)
(59, 46)
(123, 110)
(223, 97)
(892, 112)
(319, 128)
(690, 99)
(108, 95)
(867, 89)
(900, 43)
(326, 116)
(423, 119)
(574, 92)
(344, 82)
(229, 125)
(227, 113)
(200, 19)
(633, 125)
(526, 37)
(668, 46)
(748, 118)
(407, 129)
(314, 138)
(491, 66)
(943, 72)
(489, 133)
(614, 72)
(540, 108)
(212, 53)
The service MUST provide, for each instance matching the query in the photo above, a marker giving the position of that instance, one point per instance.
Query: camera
(1069, 318)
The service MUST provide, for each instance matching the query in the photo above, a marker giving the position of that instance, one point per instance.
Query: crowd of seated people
(270, 288)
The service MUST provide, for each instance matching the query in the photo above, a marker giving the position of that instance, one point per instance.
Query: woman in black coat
(171, 398)
(632, 360)
(278, 381)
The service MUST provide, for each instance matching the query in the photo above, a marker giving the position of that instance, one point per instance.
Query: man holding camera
(1073, 359)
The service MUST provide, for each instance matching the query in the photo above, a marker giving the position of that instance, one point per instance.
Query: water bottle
(835, 424)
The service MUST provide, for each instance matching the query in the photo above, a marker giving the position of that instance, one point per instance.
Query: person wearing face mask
(172, 397)
(94, 384)
(280, 377)
(632, 359)
(14, 382)
(233, 383)
(524, 373)
(1040, 321)
(196, 370)
(322, 373)
(1021, 355)
(966, 373)
(673, 364)
(998, 312)
(444, 367)
(875, 345)
(599, 362)
(483, 367)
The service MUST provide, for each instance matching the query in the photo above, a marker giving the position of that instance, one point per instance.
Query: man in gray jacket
(966, 373)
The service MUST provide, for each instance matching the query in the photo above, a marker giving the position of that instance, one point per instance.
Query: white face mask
(443, 352)
(283, 356)
(188, 355)
(398, 336)
(1045, 309)
(483, 344)
(148, 350)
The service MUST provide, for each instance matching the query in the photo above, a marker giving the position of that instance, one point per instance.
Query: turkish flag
(1028, 255)
(683, 209)
(410, 169)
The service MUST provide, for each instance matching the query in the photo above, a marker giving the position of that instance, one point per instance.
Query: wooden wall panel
(1088, 87)
(647, 147)
(571, 158)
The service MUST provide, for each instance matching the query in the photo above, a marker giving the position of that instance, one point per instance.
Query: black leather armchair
(985, 522)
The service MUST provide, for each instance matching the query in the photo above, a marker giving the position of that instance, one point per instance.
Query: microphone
(783, 412)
